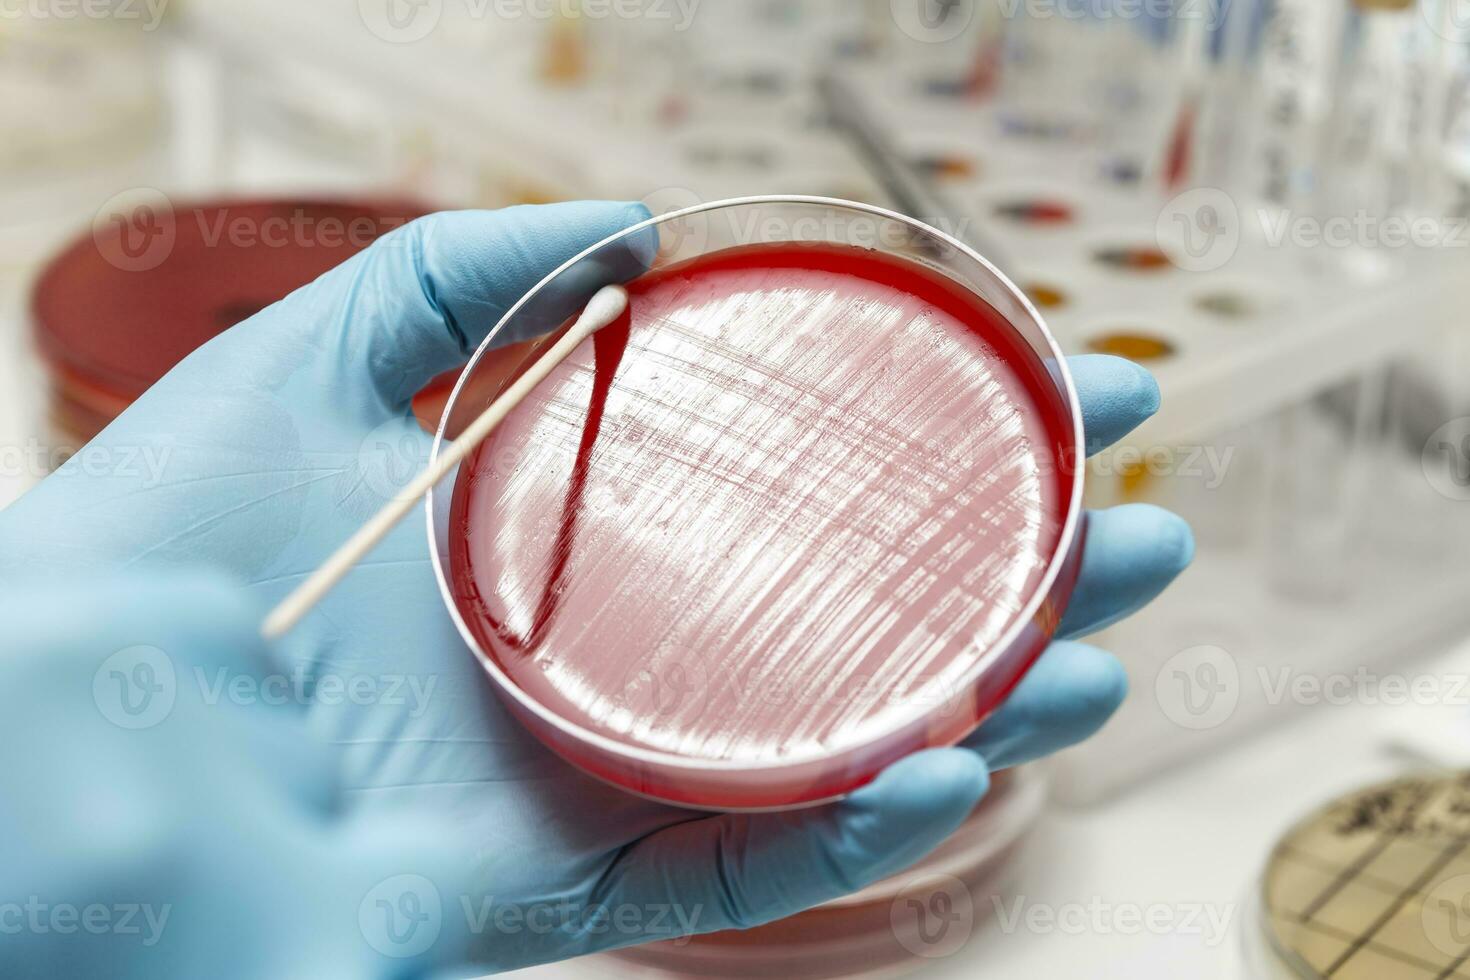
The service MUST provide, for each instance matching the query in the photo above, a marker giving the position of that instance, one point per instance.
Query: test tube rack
(1324, 548)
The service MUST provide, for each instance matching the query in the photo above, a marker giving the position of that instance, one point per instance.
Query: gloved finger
(411, 883)
(1064, 698)
(1132, 553)
(421, 299)
(1116, 395)
(735, 871)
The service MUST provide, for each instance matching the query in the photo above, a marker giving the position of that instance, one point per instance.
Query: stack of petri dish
(124, 303)
(889, 928)
(812, 505)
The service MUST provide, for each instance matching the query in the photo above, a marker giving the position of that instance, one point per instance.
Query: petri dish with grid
(1373, 886)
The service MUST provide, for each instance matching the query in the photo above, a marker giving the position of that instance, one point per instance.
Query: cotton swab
(605, 307)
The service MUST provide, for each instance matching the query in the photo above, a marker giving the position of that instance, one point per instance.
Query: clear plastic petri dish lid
(811, 506)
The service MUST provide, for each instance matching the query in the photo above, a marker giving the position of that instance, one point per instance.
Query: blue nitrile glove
(250, 456)
(158, 825)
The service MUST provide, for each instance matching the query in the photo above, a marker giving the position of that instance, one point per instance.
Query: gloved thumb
(422, 298)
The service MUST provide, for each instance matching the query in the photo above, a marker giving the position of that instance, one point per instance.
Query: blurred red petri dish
(107, 328)
(805, 510)
(926, 912)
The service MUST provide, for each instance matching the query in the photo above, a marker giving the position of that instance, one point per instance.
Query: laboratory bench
(1160, 881)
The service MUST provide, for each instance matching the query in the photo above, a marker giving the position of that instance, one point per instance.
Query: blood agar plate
(120, 306)
(808, 508)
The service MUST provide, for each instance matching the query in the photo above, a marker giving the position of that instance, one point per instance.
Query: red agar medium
(794, 495)
(108, 330)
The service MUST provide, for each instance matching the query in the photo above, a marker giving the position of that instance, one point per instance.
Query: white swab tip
(606, 305)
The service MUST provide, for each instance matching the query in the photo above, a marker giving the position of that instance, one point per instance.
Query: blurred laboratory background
(1266, 202)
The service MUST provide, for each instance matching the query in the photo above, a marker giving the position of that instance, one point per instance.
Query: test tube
(943, 50)
(1230, 55)
(641, 68)
(1106, 78)
(1376, 176)
(1147, 88)
(1322, 472)
(1453, 132)
(1291, 102)
(1042, 92)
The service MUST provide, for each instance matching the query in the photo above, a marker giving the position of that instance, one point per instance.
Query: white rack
(1235, 382)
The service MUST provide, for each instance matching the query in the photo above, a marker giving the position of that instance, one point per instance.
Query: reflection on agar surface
(796, 489)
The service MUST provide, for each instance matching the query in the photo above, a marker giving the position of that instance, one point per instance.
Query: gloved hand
(167, 816)
(249, 456)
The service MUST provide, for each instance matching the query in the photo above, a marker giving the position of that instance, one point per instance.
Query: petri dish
(876, 932)
(808, 508)
(110, 318)
(1373, 886)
